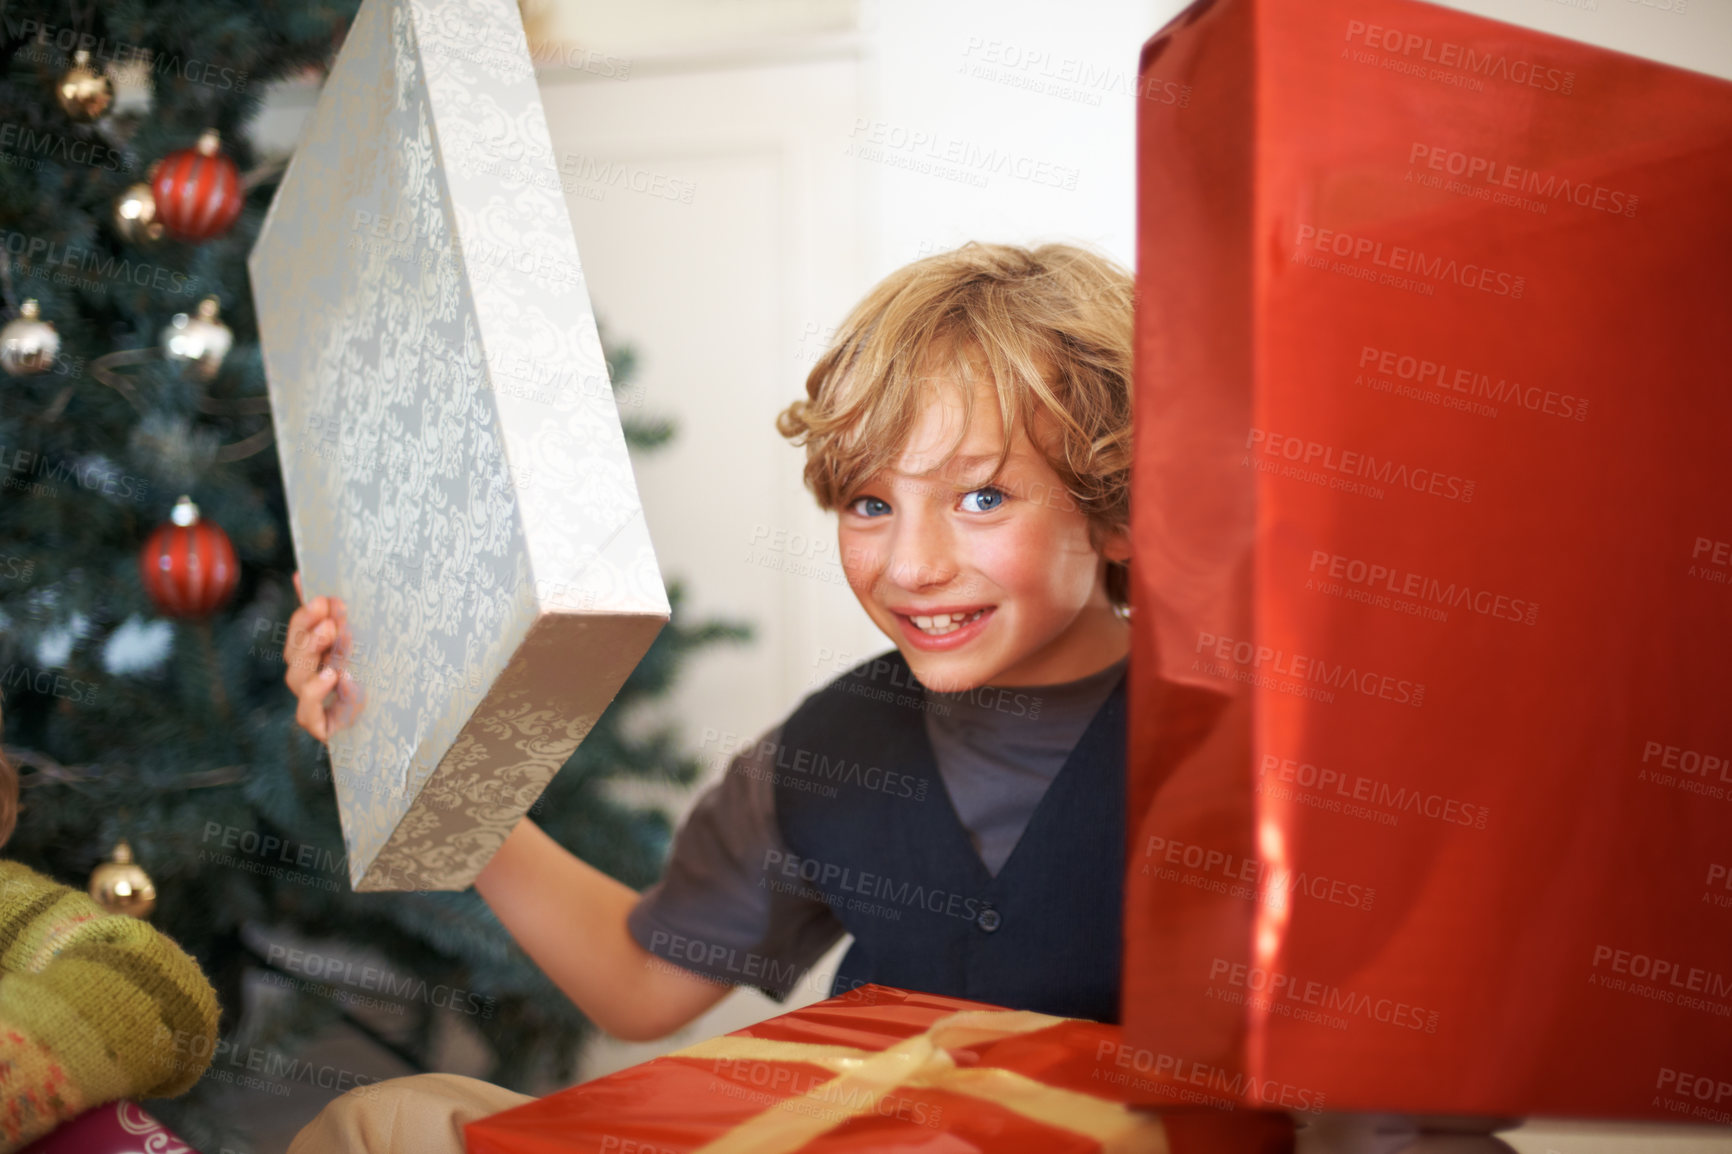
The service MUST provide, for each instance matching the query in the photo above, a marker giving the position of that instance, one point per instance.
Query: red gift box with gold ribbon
(873, 1069)
(1430, 750)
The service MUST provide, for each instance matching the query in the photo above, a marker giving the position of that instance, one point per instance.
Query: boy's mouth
(944, 629)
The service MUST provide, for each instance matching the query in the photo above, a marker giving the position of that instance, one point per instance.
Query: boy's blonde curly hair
(1052, 325)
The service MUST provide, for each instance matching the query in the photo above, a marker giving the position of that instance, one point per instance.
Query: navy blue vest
(876, 835)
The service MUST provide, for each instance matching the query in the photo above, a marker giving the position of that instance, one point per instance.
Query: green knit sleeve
(123, 1010)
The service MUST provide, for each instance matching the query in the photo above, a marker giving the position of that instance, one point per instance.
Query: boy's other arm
(571, 918)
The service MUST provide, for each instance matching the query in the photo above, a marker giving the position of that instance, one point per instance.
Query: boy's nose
(922, 554)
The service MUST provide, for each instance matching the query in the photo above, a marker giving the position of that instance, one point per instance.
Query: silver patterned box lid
(450, 444)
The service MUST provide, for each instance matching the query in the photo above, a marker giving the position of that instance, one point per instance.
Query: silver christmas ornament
(28, 344)
(199, 343)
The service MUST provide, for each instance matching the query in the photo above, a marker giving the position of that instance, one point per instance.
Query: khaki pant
(423, 1114)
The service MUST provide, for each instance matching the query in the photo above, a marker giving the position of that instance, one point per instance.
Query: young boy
(956, 803)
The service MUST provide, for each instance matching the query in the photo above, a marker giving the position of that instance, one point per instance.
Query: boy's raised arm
(566, 914)
(571, 918)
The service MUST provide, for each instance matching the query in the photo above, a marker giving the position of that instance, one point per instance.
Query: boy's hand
(314, 630)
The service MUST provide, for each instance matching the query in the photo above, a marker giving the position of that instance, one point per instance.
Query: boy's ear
(1116, 546)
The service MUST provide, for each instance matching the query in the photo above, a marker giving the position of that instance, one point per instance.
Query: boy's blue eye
(992, 502)
(871, 503)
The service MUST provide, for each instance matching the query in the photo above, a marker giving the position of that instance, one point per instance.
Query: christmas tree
(174, 733)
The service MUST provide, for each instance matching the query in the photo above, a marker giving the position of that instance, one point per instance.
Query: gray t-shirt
(713, 913)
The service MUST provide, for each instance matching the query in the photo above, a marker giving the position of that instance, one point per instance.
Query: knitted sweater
(93, 1007)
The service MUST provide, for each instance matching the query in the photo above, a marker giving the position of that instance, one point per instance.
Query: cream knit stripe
(74, 917)
(35, 925)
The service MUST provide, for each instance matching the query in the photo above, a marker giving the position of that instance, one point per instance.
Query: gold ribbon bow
(865, 1077)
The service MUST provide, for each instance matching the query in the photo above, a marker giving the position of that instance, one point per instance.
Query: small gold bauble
(135, 216)
(84, 92)
(121, 886)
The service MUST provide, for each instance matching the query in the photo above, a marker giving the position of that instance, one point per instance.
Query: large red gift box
(873, 1069)
(1431, 717)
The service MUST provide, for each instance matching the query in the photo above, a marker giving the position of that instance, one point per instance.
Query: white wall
(1029, 101)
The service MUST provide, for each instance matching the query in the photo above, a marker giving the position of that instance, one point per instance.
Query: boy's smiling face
(1010, 558)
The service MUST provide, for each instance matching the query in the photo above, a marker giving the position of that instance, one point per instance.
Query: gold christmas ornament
(135, 216)
(121, 886)
(84, 92)
(198, 344)
(28, 344)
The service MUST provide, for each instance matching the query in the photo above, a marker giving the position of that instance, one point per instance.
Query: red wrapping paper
(1430, 750)
(112, 1128)
(682, 1101)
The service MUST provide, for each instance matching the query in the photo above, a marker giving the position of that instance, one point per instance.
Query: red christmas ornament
(188, 567)
(197, 190)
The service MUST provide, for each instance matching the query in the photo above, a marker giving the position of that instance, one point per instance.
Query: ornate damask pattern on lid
(450, 444)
